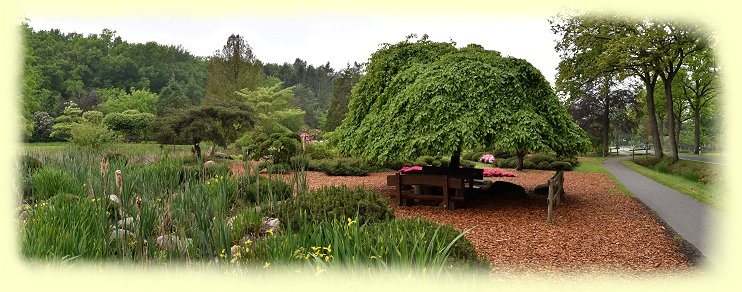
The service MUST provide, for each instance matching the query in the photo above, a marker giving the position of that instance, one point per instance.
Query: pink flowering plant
(487, 158)
(496, 172)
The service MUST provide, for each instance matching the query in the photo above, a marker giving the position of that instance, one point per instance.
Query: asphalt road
(692, 220)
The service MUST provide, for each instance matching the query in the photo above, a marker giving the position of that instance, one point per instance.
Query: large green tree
(341, 90)
(701, 86)
(648, 49)
(233, 68)
(171, 98)
(426, 98)
(221, 122)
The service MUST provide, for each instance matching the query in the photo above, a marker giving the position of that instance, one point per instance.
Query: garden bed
(597, 227)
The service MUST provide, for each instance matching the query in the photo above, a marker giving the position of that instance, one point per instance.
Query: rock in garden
(209, 163)
(126, 223)
(115, 199)
(257, 209)
(247, 241)
(221, 155)
(269, 224)
(120, 233)
(507, 190)
(23, 215)
(541, 190)
(166, 242)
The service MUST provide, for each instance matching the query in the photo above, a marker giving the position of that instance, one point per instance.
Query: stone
(221, 155)
(120, 233)
(115, 199)
(507, 190)
(23, 215)
(209, 163)
(541, 190)
(247, 238)
(126, 223)
(257, 209)
(166, 242)
(269, 224)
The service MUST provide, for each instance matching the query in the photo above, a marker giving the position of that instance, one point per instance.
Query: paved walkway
(693, 220)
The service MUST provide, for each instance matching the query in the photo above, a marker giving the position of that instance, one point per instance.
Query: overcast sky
(317, 40)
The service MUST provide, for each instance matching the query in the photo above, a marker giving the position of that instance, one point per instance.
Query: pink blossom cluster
(487, 158)
(495, 172)
(406, 169)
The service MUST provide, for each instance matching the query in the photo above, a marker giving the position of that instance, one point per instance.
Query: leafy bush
(511, 162)
(116, 158)
(281, 168)
(319, 150)
(335, 202)
(131, 123)
(279, 148)
(340, 166)
(245, 222)
(93, 117)
(561, 165)
(92, 136)
(49, 181)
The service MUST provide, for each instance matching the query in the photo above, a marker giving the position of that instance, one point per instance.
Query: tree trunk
(197, 150)
(606, 125)
(697, 131)
(670, 119)
(455, 159)
(520, 156)
(652, 116)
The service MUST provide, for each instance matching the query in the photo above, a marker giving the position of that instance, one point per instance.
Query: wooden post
(399, 189)
(445, 193)
(550, 202)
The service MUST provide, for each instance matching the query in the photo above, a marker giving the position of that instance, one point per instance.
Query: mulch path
(597, 228)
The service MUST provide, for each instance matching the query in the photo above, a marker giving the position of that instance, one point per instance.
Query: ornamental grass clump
(50, 181)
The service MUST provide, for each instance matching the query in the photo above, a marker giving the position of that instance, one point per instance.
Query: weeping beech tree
(429, 98)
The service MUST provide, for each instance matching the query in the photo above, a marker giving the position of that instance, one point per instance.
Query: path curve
(692, 220)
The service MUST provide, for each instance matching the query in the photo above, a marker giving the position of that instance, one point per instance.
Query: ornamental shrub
(92, 136)
(335, 202)
(254, 190)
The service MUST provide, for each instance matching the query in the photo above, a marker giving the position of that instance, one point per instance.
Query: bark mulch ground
(597, 228)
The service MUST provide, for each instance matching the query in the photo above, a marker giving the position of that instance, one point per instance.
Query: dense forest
(131, 85)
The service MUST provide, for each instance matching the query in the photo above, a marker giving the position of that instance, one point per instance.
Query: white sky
(317, 40)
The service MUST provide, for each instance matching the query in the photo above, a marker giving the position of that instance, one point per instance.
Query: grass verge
(699, 191)
(595, 165)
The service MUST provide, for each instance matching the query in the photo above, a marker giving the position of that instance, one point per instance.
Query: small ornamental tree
(426, 98)
(220, 122)
(64, 123)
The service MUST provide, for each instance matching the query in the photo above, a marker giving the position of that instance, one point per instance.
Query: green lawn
(129, 148)
(699, 191)
(595, 165)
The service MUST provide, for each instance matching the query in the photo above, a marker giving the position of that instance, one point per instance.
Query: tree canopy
(220, 122)
(425, 98)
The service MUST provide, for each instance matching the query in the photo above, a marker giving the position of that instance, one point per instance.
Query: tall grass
(207, 213)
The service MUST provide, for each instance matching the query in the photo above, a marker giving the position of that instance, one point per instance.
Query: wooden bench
(446, 178)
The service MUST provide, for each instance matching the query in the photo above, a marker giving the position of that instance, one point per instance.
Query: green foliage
(133, 124)
(411, 231)
(273, 106)
(220, 122)
(336, 202)
(117, 101)
(420, 98)
(50, 181)
(279, 148)
(65, 226)
(691, 170)
(171, 98)
(30, 164)
(340, 166)
(93, 117)
(65, 122)
(257, 190)
(341, 91)
(42, 127)
(92, 136)
(232, 69)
